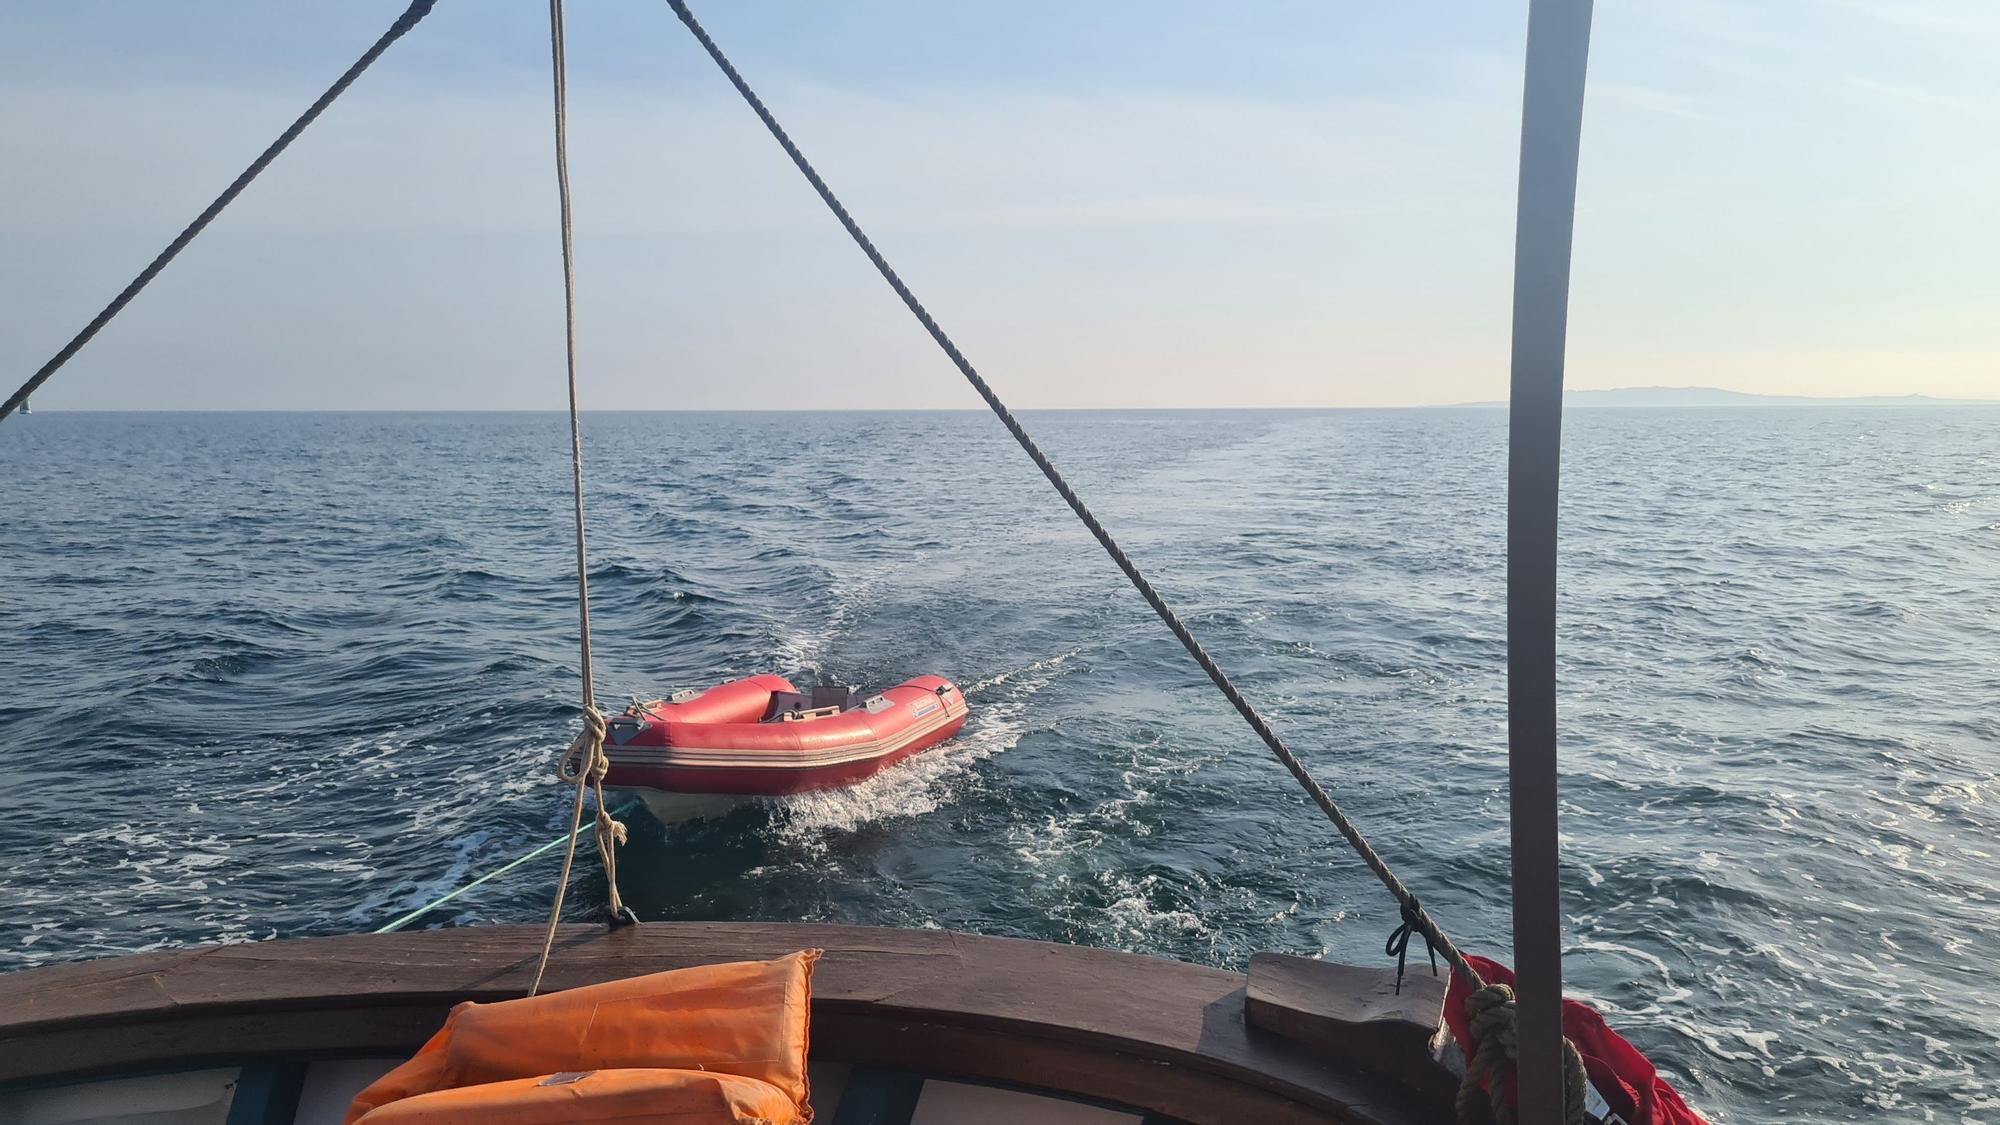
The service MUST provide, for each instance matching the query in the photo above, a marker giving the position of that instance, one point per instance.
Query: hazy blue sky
(1174, 204)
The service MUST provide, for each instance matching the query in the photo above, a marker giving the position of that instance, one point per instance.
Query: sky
(1117, 203)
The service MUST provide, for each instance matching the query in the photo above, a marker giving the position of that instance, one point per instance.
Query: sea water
(269, 675)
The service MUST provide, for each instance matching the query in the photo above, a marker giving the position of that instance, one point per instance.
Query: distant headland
(1716, 396)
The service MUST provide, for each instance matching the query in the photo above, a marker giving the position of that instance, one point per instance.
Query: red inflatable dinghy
(702, 752)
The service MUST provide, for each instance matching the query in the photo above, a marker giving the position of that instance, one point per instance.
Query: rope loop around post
(1490, 1014)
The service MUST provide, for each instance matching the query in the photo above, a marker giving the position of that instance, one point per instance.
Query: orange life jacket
(715, 1043)
(677, 1097)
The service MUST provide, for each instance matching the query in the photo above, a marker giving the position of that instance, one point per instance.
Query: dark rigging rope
(417, 10)
(1413, 911)
(1415, 919)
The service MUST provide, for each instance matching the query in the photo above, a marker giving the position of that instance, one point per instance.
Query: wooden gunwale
(1161, 1036)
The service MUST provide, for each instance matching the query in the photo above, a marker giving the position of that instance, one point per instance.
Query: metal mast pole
(1551, 124)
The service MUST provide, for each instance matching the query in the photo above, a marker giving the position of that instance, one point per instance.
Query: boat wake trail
(930, 780)
(1050, 666)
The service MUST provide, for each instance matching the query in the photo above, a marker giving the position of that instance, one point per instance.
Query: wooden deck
(1162, 1037)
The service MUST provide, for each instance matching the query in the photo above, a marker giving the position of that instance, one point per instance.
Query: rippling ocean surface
(271, 675)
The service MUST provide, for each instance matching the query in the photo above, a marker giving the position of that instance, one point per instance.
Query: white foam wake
(930, 780)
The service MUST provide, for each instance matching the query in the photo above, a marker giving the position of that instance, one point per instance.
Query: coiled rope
(417, 10)
(1414, 914)
(584, 763)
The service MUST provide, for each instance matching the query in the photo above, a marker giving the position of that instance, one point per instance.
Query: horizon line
(1859, 402)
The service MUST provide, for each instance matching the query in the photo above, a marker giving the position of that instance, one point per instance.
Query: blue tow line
(497, 872)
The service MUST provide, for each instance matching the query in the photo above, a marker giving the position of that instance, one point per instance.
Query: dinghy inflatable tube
(761, 737)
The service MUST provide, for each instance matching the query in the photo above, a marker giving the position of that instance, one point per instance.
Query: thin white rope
(587, 751)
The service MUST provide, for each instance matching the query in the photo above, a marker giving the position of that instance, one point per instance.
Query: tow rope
(587, 751)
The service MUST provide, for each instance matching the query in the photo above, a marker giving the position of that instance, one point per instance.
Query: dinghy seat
(831, 699)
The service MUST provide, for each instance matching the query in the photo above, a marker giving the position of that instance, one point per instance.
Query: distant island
(1716, 396)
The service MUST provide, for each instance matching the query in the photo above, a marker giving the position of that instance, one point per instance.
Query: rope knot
(610, 828)
(585, 754)
(1398, 945)
(1490, 1011)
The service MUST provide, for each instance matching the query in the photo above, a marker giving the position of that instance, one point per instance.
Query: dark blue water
(273, 675)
